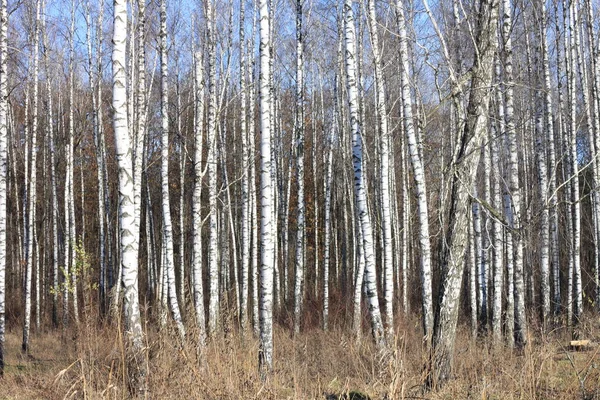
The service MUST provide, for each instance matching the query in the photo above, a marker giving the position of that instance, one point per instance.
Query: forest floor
(314, 365)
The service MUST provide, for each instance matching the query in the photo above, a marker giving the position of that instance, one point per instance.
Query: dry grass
(90, 365)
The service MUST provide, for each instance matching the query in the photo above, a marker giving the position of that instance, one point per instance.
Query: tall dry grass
(88, 363)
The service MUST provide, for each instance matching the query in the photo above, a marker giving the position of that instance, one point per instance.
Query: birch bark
(360, 193)
(134, 334)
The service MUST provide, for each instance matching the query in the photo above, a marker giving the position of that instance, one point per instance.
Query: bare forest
(300, 199)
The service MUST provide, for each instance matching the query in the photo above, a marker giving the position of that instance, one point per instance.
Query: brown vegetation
(316, 364)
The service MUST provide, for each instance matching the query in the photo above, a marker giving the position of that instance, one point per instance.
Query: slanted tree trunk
(462, 170)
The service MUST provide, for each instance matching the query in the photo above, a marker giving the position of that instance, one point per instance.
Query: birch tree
(198, 289)
(575, 296)
(267, 255)
(513, 178)
(3, 173)
(299, 125)
(166, 207)
(418, 174)
(129, 253)
(384, 175)
(360, 194)
(69, 198)
(32, 202)
(213, 249)
(246, 211)
(462, 175)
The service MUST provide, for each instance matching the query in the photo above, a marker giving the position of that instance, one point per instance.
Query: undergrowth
(88, 363)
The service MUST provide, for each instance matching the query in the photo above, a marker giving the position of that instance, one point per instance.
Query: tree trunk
(360, 189)
(166, 208)
(3, 173)
(463, 169)
(136, 358)
(267, 255)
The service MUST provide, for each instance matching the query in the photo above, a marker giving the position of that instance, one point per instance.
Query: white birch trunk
(167, 227)
(360, 190)
(197, 196)
(384, 137)
(513, 180)
(213, 249)
(477, 253)
(463, 170)
(328, 182)
(551, 197)
(54, 197)
(254, 237)
(419, 176)
(540, 138)
(32, 202)
(299, 124)
(577, 295)
(3, 172)
(246, 212)
(498, 229)
(129, 253)
(472, 263)
(140, 128)
(265, 352)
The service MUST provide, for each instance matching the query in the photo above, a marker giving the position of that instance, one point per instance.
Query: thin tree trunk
(213, 250)
(419, 177)
(513, 180)
(32, 202)
(384, 138)
(167, 227)
(196, 204)
(360, 189)
(246, 212)
(3, 173)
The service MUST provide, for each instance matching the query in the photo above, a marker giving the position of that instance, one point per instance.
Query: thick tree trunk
(463, 169)
(136, 359)
(267, 255)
